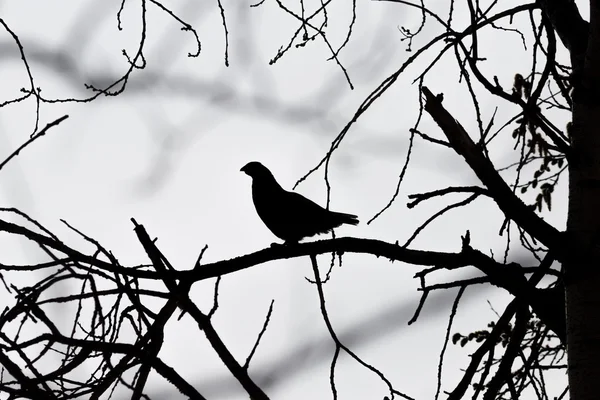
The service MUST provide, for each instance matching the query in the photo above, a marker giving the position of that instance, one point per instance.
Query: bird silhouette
(290, 216)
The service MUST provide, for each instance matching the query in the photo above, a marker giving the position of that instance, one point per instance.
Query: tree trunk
(582, 272)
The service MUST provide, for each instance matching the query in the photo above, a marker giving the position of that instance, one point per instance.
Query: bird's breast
(273, 209)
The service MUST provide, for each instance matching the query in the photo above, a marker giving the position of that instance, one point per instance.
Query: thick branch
(508, 202)
(566, 20)
(378, 248)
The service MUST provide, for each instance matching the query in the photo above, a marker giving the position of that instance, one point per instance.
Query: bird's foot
(286, 244)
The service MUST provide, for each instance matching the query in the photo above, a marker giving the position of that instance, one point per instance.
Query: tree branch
(507, 201)
(566, 20)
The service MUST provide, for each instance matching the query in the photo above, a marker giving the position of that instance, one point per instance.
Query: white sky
(168, 152)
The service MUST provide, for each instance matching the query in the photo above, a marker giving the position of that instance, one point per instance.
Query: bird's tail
(346, 218)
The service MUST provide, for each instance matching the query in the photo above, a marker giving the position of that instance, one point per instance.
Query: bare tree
(118, 336)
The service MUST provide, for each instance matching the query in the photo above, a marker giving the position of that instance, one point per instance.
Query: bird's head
(255, 169)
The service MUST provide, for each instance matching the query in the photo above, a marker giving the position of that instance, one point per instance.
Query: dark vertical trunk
(583, 272)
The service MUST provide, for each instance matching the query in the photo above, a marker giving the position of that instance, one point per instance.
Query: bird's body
(290, 216)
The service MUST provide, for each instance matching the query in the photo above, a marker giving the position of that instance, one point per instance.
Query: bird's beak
(243, 169)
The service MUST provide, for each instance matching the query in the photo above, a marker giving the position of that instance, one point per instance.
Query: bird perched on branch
(290, 216)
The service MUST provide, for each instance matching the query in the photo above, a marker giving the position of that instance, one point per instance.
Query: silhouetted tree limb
(507, 201)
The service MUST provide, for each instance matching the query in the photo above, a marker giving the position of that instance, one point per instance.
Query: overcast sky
(169, 149)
